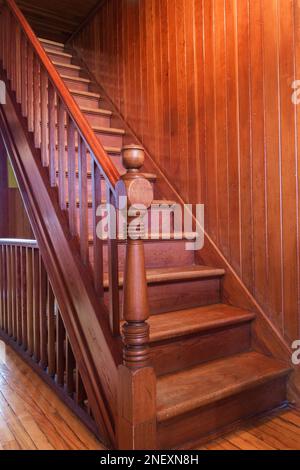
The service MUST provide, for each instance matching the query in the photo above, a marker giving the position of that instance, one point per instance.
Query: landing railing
(69, 147)
(31, 322)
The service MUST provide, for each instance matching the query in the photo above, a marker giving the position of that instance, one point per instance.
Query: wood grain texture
(58, 19)
(206, 85)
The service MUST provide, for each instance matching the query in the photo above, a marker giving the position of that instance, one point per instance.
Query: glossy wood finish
(32, 416)
(30, 320)
(56, 20)
(278, 431)
(14, 222)
(207, 87)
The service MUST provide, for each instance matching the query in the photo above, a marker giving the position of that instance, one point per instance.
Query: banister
(110, 171)
(18, 242)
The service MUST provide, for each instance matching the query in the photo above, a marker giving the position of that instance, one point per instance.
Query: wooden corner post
(137, 380)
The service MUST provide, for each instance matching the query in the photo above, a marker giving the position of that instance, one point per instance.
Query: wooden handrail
(109, 170)
(18, 242)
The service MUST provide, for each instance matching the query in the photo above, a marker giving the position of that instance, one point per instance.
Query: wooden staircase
(204, 375)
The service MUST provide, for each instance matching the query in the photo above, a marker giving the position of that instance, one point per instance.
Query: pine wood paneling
(206, 85)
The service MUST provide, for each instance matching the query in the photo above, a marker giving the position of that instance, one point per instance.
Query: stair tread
(195, 320)
(199, 386)
(157, 275)
(53, 43)
(108, 130)
(75, 79)
(85, 109)
(85, 93)
(66, 66)
(58, 53)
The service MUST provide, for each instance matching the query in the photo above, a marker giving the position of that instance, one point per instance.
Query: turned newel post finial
(135, 302)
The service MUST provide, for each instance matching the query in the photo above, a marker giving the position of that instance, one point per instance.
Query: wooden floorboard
(32, 417)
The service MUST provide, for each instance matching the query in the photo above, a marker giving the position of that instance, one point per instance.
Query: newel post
(137, 380)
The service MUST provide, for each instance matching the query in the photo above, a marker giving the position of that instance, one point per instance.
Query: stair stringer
(265, 337)
(96, 351)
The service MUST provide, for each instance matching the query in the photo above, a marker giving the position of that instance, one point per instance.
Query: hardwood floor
(33, 418)
(278, 431)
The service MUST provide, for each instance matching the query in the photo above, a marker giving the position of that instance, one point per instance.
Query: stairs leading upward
(208, 375)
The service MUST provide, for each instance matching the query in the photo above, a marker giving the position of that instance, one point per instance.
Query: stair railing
(68, 145)
(31, 322)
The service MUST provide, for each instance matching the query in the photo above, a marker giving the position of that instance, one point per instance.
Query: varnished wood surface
(279, 431)
(199, 386)
(190, 321)
(32, 417)
(57, 19)
(207, 85)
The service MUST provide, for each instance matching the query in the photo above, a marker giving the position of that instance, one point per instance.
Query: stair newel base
(137, 380)
(136, 409)
(136, 352)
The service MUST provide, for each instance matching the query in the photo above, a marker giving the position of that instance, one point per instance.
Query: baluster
(97, 242)
(60, 356)
(18, 295)
(136, 376)
(9, 291)
(51, 330)
(1, 280)
(29, 274)
(13, 292)
(113, 267)
(24, 74)
(70, 368)
(71, 175)
(44, 116)
(24, 298)
(18, 64)
(52, 110)
(43, 313)
(13, 53)
(37, 101)
(83, 201)
(36, 305)
(30, 97)
(79, 388)
(61, 151)
(5, 289)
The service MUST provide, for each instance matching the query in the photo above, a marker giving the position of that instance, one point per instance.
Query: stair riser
(64, 70)
(59, 58)
(106, 139)
(220, 416)
(98, 119)
(156, 254)
(188, 351)
(172, 296)
(54, 47)
(109, 140)
(87, 102)
(116, 159)
(76, 85)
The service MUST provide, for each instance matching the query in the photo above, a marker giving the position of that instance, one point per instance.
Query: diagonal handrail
(97, 150)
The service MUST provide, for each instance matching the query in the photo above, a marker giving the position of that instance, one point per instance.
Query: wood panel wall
(207, 86)
(14, 222)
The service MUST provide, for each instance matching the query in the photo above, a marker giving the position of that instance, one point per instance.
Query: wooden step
(67, 69)
(179, 287)
(52, 45)
(86, 98)
(197, 320)
(59, 55)
(190, 337)
(195, 402)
